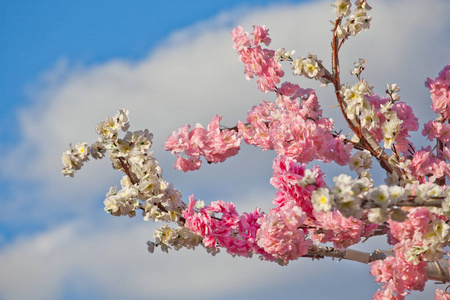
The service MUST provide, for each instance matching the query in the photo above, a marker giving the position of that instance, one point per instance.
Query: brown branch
(367, 140)
(436, 270)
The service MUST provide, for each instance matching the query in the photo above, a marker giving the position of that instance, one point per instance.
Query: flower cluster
(263, 63)
(295, 129)
(310, 67)
(356, 21)
(167, 237)
(361, 162)
(295, 184)
(341, 231)
(219, 224)
(420, 238)
(437, 130)
(359, 67)
(427, 165)
(142, 186)
(291, 127)
(440, 92)
(74, 158)
(397, 276)
(357, 104)
(281, 234)
(213, 143)
(397, 121)
(441, 295)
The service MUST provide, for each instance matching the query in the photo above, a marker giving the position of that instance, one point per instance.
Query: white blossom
(322, 200)
(342, 8)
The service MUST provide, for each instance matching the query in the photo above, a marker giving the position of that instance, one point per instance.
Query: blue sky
(38, 33)
(67, 66)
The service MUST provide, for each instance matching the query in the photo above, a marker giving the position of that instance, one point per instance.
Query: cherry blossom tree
(412, 208)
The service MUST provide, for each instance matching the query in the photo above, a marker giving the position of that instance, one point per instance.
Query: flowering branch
(412, 209)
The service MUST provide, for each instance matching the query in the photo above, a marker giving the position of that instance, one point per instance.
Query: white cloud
(111, 257)
(189, 78)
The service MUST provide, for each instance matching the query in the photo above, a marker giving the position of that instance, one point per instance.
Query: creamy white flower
(390, 129)
(393, 88)
(282, 54)
(342, 8)
(380, 196)
(311, 68)
(363, 88)
(361, 185)
(297, 66)
(377, 215)
(308, 178)
(412, 254)
(355, 162)
(199, 204)
(322, 200)
(71, 161)
(395, 97)
(352, 95)
(424, 192)
(359, 67)
(341, 31)
(441, 229)
(97, 150)
(108, 129)
(122, 119)
(81, 150)
(397, 194)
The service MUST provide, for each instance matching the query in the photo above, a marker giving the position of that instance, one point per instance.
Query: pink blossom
(258, 61)
(220, 225)
(260, 35)
(198, 223)
(398, 276)
(336, 228)
(289, 89)
(220, 143)
(289, 178)
(338, 151)
(441, 295)
(413, 228)
(240, 38)
(383, 269)
(310, 105)
(187, 163)
(404, 113)
(214, 143)
(280, 234)
(440, 92)
(431, 130)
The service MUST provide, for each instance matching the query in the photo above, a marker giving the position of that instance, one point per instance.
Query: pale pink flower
(240, 38)
(336, 228)
(260, 35)
(187, 163)
(258, 61)
(440, 92)
(280, 233)
(441, 295)
(289, 178)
